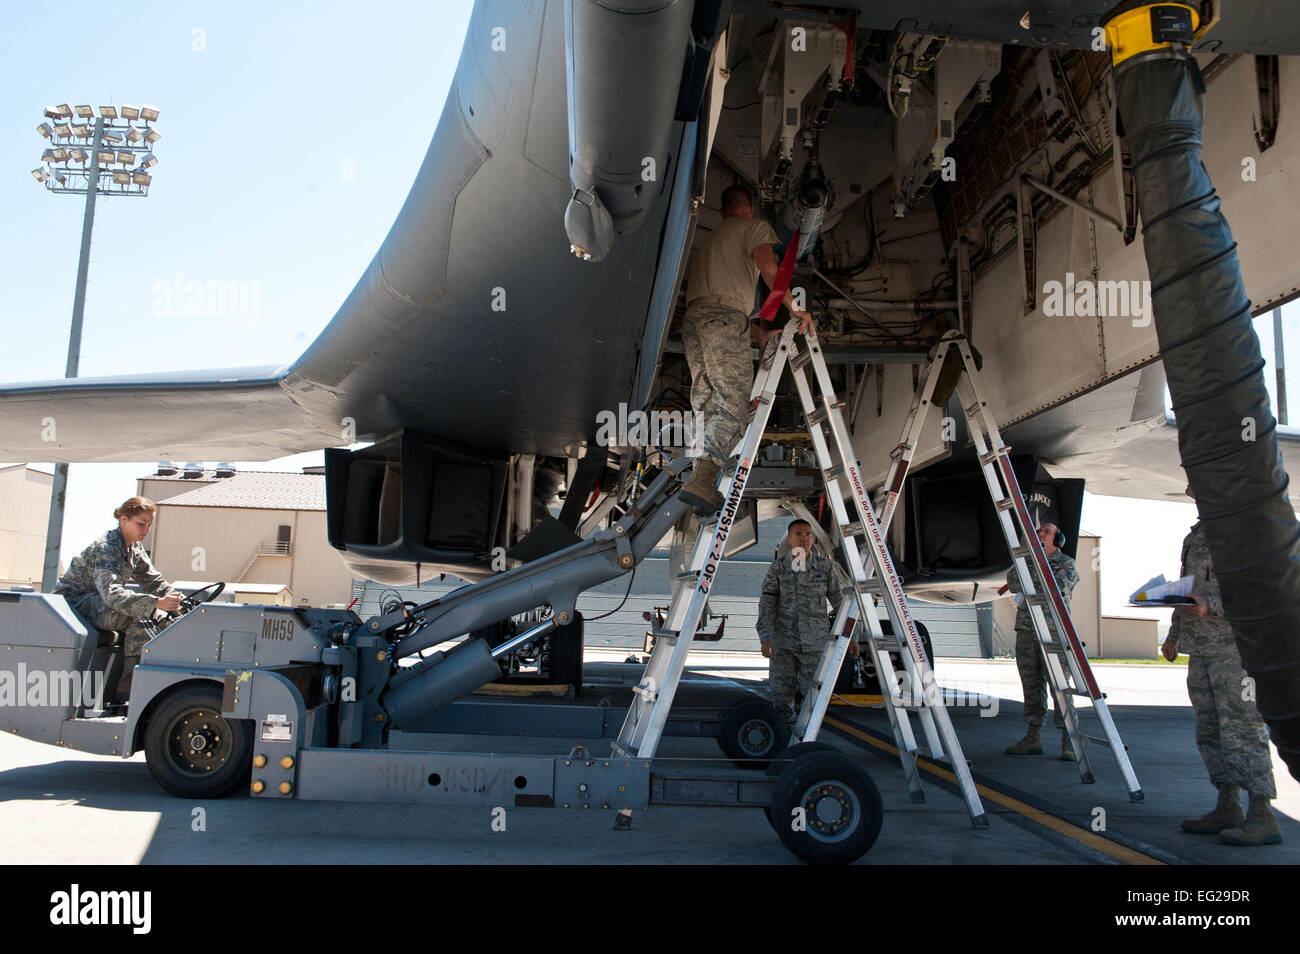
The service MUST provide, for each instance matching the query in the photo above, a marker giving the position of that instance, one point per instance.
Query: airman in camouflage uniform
(95, 584)
(1029, 651)
(793, 623)
(716, 334)
(1230, 734)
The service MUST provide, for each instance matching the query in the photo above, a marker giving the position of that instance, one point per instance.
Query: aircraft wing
(474, 321)
(223, 414)
(1120, 439)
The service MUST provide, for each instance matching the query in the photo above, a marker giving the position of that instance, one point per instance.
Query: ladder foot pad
(979, 821)
(916, 796)
(1137, 796)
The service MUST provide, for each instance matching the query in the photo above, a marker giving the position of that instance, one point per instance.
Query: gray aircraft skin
(476, 323)
(418, 343)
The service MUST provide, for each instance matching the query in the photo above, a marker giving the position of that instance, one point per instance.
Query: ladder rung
(687, 577)
(852, 529)
(1022, 552)
(833, 472)
(817, 415)
(991, 455)
(1006, 503)
(800, 359)
(670, 634)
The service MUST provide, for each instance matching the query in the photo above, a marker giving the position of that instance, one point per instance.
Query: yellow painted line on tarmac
(1119, 852)
(857, 699)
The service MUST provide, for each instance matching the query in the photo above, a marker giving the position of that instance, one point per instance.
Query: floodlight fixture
(109, 139)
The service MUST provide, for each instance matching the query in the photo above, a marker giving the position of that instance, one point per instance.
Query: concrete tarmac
(63, 807)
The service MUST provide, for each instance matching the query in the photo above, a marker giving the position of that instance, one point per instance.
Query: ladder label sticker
(729, 511)
(277, 728)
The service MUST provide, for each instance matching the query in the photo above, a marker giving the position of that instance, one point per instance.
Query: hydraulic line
(1226, 431)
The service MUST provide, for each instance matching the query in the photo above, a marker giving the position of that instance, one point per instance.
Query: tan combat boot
(1260, 827)
(1067, 750)
(1031, 744)
(701, 491)
(1227, 814)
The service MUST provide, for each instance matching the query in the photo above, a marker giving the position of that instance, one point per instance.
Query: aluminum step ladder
(913, 691)
(643, 726)
(1069, 674)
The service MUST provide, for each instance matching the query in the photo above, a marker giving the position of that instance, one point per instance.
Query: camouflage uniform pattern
(1029, 652)
(1230, 734)
(792, 614)
(721, 359)
(95, 587)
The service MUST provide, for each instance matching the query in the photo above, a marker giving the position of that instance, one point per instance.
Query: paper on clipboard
(1159, 590)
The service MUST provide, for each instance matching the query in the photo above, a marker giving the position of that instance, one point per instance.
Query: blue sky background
(291, 133)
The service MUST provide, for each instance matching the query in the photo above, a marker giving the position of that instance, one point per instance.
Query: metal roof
(255, 490)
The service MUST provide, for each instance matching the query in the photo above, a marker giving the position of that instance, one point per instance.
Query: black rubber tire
(566, 654)
(810, 782)
(752, 733)
(230, 739)
(788, 755)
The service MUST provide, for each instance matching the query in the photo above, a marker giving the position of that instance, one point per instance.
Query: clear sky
(291, 133)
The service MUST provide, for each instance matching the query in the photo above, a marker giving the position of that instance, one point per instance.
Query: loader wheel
(191, 750)
(752, 733)
(827, 808)
(788, 755)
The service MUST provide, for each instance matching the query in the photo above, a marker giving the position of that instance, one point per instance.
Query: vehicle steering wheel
(192, 600)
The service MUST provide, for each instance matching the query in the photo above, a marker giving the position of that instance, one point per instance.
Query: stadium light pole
(79, 155)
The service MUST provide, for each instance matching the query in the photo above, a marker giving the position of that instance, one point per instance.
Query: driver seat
(105, 657)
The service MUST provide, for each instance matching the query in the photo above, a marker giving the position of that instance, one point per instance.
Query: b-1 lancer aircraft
(982, 168)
